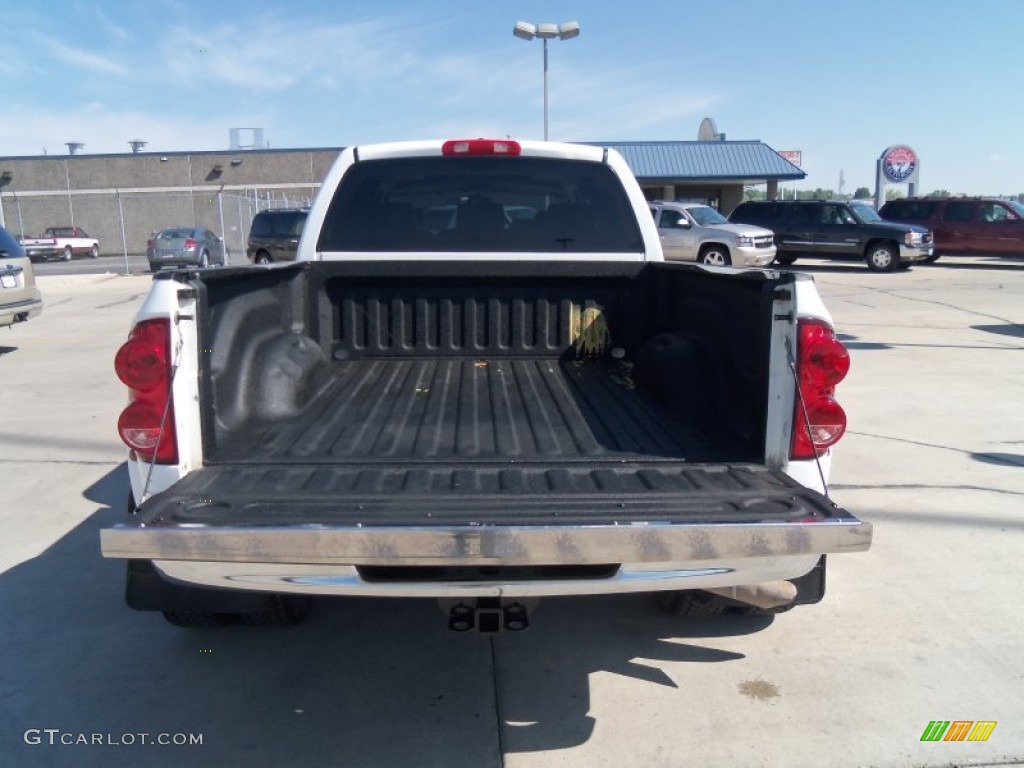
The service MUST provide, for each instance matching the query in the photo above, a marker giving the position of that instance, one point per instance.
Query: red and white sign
(899, 163)
(795, 156)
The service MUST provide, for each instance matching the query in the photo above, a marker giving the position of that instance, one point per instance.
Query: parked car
(184, 247)
(19, 297)
(836, 229)
(62, 243)
(274, 235)
(697, 232)
(964, 224)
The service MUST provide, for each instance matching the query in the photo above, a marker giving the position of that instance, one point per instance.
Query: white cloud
(328, 84)
(106, 130)
(75, 56)
(115, 30)
(273, 54)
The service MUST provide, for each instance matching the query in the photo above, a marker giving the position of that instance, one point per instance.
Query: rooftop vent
(246, 138)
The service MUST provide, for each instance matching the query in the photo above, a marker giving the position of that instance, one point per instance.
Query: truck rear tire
(689, 603)
(66, 255)
(280, 611)
(199, 607)
(193, 619)
(753, 610)
(277, 611)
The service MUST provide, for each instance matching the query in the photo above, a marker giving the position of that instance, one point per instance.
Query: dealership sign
(795, 156)
(899, 164)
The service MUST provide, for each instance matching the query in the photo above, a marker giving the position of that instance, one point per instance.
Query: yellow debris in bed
(589, 331)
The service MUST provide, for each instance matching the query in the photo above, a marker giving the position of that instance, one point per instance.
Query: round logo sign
(899, 163)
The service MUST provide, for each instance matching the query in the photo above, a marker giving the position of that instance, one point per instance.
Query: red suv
(984, 225)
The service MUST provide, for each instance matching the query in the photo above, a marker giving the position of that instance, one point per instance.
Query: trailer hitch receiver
(488, 616)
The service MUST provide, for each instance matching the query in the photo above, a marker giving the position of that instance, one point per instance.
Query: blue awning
(668, 161)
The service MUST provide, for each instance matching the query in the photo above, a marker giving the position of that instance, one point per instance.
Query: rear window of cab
(486, 204)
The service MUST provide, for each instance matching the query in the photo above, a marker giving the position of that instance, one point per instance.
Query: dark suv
(275, 234)
(964, 224)
(827, 229)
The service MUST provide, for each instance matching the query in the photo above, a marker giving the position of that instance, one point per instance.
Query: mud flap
(810, 588)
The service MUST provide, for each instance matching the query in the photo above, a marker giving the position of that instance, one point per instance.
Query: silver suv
(696, 232)
(19, 297)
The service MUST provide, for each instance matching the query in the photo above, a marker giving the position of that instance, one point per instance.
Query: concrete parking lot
(925, 626)
(119, 264)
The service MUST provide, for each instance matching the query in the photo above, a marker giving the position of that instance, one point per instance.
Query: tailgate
(374, 513)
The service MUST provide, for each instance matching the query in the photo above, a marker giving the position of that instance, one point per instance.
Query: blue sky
(839, 81)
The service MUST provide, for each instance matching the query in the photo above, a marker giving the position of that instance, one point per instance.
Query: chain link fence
(124, 221)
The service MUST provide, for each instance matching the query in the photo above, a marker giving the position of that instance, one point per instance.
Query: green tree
(815, 194)
(862, 193)
(894, 194)
(939, 193)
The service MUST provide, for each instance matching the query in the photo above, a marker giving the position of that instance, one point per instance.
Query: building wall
(724, 196)
(123, 199)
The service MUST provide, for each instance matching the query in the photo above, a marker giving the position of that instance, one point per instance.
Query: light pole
(526, 31)
(5, 179)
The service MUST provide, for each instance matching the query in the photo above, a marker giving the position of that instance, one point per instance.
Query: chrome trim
(477, 545)
(341, 580)
(915, 252)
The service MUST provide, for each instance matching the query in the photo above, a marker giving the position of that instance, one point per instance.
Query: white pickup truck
(61, 243)
(480, 383)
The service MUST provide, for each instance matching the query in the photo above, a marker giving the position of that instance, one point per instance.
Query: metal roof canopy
(666, 161)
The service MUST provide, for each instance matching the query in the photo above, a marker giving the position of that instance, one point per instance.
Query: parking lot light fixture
(526, 31)
(5, 179)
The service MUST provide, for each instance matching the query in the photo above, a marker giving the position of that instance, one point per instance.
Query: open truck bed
(425, 414)
(480, 380)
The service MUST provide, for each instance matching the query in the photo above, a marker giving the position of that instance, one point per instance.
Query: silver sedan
(184, 247)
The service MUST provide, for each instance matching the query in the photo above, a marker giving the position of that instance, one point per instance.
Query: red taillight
(190, 244)
(480, 147)
(143, 363)
(151, 244)
(823, 359)
(821, 362)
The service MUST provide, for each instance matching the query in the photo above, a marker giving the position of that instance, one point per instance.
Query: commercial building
(123, 198)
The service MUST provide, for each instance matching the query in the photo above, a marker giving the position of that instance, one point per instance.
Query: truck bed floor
(470, 410)
(479, 442)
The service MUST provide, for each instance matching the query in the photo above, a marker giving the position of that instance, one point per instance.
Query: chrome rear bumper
(479, 545)
(320, 560)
